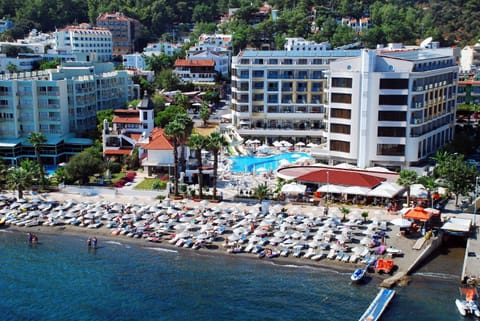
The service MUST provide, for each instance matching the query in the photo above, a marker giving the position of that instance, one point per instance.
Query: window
(390, 149)
(342, 82)
(341, 98)
(391, 131)
(392, 116)
(340, 129)
(340, 113)
(396, 100)
(258, 73)
(339, 146)
(393, 83)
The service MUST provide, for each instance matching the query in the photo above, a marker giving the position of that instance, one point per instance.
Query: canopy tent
(356, 190)
(300, 144)
(330, 188)
(421, 214)
(294, 188)
(386, 189)
(417, 190)
(401, 222)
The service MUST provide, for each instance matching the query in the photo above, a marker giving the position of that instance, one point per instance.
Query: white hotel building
(392, 108)
(59, 103)
(386, 107)
(85, 39)
(280, 94)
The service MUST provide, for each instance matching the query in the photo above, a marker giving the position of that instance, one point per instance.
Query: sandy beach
(392, 237)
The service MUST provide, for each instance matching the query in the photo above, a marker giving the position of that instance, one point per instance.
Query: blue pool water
(60, 279)
(247, 164)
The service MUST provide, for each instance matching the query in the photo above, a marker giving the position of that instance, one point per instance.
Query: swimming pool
(247, 164)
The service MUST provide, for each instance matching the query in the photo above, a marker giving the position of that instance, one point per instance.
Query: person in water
(94, 242)
(30, 237)
(89, 242)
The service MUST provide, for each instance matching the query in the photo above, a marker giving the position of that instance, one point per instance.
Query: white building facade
(470, 58)
(390, 108)
(57, 103)
(300, 44)
(86, 39)
(280, 94)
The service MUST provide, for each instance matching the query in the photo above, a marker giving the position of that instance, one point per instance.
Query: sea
(61, 279)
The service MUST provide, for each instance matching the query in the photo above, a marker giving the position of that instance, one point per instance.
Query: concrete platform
(471, 263)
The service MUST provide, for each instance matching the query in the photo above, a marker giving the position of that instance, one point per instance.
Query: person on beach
(94, 242)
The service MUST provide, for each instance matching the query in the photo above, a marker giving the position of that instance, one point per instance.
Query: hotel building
(280, 94)
(123, 29)
(392, 108)
(59, 103)
(86, 39)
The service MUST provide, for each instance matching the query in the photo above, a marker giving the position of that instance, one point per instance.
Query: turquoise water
(247, 164)
(60, 279)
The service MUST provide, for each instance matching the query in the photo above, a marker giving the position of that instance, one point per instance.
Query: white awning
(330, 188)
(294, 188)
(386, 189)
(356, 190)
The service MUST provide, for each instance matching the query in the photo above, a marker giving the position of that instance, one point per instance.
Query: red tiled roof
(194, 63)
(340, 177)
(158, 141)
(126, 120)
(118, 151)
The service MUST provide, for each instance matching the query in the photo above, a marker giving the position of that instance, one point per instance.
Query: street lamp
(328, 185)
(475, 204)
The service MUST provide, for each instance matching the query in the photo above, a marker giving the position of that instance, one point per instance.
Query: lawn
(147, 183)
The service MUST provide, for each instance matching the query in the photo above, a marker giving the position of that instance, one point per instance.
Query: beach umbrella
(366, 241)
(312, 145)
(300, 144)
(234, 237)
(401, 222)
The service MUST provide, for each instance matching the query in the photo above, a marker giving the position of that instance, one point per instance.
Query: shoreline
(216, 247)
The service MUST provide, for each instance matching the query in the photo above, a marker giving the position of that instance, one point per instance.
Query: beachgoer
(89, 242)
(34, 239)
(94, 242)
(30, 237)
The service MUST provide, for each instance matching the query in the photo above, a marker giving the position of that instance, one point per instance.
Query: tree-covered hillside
(452, 22)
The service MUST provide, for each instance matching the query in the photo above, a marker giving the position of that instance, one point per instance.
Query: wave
(114, 242)
(158, 249)
(6, 231)
(443, 276)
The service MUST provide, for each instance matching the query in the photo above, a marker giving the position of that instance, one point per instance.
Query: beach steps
(378, 305)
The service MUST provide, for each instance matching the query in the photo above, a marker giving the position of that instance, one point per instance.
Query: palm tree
(21, 178)
(430, 185)
(204, 113)
(197, 142)
(174, 131)
(215, 142)
(261, 192)
(345, 212)
(407, 178)
(37, 139)
(187, 125)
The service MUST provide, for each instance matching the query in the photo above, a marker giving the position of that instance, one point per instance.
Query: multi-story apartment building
(59, 103)
(470, 58)
(300, 44)
(85, 39)
(195, 71)
(392, 108)
(469, 89)
(123, 29)
(162, 48)
(280, 94)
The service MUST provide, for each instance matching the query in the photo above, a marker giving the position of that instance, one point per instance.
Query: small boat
(358, 275)
(468, 305)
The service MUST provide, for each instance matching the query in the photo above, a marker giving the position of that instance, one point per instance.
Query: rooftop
(298, 54)
(415, 55)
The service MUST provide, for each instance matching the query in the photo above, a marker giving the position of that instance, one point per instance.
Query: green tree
(345, 212)
(37, 139)
(430, 185)
(215, 142)
(174, 131)
(197, 142)
(168, 114)
(21, 178)
(261, 192)
(204, 113)
(101, 116)
(49, 64)
(12, 68)
(167, 80)
(85, 164)
(459, 176)
(407, 178)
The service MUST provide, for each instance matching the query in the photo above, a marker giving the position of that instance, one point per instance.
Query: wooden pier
(378, 305)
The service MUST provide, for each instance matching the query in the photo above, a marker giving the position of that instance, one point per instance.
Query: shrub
(115, 167)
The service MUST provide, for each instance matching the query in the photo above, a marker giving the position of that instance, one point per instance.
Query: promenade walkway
(471, 263)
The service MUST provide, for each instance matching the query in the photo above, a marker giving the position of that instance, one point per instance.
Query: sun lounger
(345, 258)
(297, 252)
(332, 254)
(339, 255)
(309, 253)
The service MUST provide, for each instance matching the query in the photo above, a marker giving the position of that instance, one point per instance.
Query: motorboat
(468, 305)
(358, 275)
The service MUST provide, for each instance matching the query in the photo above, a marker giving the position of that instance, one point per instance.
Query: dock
(378, 305)
(471, 262)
